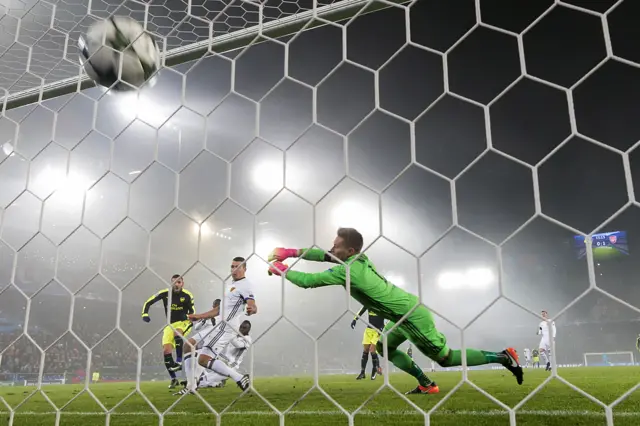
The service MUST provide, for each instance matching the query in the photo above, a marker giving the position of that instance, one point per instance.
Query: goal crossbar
(335, 12)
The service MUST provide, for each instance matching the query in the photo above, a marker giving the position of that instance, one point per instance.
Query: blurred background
(469, 181)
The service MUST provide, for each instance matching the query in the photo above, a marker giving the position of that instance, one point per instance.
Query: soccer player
(182, 304)
(374, 292)
(239, 295)
(527, 357)
(233, 354)
(536, 359)
(547, 332)
(369, 342)
(638, 343)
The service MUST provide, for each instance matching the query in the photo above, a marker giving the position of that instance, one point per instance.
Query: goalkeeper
(182, 304)
(375, 293)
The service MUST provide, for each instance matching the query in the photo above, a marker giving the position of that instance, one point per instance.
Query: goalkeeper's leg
(403, 361)
(420, 327)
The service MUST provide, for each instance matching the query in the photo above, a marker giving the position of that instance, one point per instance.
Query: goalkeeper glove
(278, 268)
(281, 254)
(353, 324)
(146, 318)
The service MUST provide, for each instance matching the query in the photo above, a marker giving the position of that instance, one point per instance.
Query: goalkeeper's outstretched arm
(162, 294)
(334, 276)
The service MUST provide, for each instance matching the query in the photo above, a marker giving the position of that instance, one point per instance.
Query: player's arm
(214, 312)
(638, 343)
(358, 315)
(333, 276)
(553, 326)
(311, 254)
(239, 343)
(162, 294)
(190, 303)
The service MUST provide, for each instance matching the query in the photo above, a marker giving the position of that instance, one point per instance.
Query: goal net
(488, 161)
(608, 359)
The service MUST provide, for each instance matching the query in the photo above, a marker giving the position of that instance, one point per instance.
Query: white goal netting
(487, 152)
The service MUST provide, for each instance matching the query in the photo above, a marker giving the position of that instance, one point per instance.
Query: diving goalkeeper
(376, 294)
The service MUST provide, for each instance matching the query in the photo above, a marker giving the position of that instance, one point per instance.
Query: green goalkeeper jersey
(368, 287)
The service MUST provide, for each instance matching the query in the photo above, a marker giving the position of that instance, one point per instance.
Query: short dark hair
(352, 238)
(175, 277)
(247, 322)
(216, 302)
(241, 260)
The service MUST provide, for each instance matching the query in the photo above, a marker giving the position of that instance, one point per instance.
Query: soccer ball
(118, 50)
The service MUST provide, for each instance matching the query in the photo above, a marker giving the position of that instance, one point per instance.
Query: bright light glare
(349, 214)
(396, 279)
(268, 176)
(70, 187)
(130, 104)
(7, 148)
(474, 278)
(265, 244)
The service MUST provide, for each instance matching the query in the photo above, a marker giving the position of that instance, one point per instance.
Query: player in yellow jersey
(182, 305)
(369, 342)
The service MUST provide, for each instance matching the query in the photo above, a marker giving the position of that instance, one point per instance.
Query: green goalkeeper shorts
(420, 329)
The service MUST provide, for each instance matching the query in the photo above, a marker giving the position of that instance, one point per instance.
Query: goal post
(318, 16)
(608, 359)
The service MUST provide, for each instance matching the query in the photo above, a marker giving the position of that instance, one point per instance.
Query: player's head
(245, 327)
(238, 268)
(347, 243)
(177, 282)
(545, 314)
(216, 303)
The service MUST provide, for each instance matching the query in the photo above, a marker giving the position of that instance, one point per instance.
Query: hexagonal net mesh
(485, 150)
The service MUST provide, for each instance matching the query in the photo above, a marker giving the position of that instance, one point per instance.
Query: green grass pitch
(555, 404)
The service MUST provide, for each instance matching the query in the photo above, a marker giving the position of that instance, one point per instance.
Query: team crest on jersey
(613, 238)
(182, 299)
(231, 289)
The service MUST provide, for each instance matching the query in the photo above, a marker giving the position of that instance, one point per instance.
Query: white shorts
(545, 344)
(217, 340)
(202, 335)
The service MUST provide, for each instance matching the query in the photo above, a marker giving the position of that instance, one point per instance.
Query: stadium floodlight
(267, 176)
(474, 278)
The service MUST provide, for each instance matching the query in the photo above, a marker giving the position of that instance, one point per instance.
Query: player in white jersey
(527, 357)
(547, 331)
(238, 300)
(233, 354)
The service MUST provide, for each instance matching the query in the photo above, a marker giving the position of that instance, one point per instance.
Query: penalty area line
(479, 413)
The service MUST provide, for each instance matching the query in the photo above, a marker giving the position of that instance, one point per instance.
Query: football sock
(406, 364)
(375, 360)
(188, 370)
(474, 357)
(365, 359)
(223, 369)
(179, 349)
(543, 355)
(168, 363)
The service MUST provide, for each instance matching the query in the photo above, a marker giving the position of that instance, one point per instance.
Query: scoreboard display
(605, 245)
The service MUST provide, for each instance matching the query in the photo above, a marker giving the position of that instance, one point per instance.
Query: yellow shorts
(370, 337)
(168, 334)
